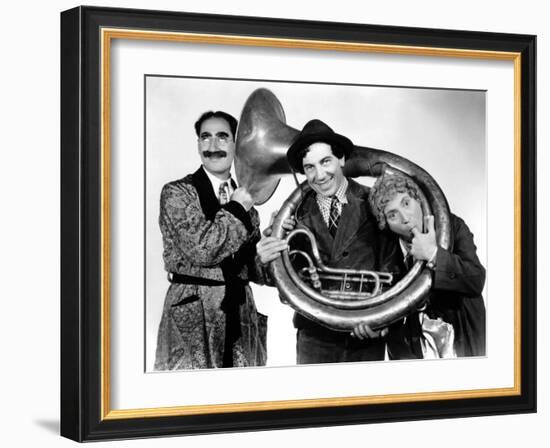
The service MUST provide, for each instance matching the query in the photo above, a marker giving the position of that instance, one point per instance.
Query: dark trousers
(319, 345)
(403, 339)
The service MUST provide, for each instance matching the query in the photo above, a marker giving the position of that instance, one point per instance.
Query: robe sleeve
(459, 271)
(202, 242)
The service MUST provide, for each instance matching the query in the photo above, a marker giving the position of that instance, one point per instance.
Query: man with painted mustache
(210, 230)
(336, 211)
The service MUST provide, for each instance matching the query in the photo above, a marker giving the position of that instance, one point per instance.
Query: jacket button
(348, 285)
(452, 274)
(345, 253)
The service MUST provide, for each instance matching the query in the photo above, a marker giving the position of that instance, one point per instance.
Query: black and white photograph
(292, 223)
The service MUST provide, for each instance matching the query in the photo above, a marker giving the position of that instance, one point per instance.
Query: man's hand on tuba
(363, 332)
(288, 224)
(269, 248)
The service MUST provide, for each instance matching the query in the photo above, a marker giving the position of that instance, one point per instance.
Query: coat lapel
(354, 215)
(235, 292)
(311, 218)
(209, 202)
(390, 257)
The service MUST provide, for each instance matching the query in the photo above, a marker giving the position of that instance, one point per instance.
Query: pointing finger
(429, 223)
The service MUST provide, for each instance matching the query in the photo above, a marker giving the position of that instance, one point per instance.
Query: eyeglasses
(221, 140)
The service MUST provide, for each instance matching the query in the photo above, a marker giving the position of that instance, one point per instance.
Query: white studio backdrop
(30, 228)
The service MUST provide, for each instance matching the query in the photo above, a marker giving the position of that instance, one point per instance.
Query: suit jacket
(356, 242)
(455, 296)
(202, 239)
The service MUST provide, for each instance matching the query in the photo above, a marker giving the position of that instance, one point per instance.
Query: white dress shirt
(216, 182)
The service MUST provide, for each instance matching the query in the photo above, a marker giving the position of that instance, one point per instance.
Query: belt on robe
(234, 297)
(183, 279)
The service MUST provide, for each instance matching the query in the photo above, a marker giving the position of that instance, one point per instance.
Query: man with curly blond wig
(453, 321)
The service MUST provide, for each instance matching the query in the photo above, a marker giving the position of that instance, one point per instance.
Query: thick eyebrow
(323, 160)
(207, 134)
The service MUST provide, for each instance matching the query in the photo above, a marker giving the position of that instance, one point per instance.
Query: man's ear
(342, 161)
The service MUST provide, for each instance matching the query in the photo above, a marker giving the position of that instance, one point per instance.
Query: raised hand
(424, 245)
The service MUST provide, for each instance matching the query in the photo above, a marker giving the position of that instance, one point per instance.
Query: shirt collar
(217, 182)
(340, 193)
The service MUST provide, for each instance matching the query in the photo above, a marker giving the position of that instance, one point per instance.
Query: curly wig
(384, 190)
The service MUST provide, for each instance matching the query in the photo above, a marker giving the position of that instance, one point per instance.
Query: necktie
(222, 193)
(334, 217)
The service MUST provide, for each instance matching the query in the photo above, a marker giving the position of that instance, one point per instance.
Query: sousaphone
(263, 138)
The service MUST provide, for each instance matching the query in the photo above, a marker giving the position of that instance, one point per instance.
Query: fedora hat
(313, 132)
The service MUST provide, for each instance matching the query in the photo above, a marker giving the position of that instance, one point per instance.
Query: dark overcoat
(455, 297)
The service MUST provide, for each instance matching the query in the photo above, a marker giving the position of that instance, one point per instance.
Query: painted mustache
(214, 154)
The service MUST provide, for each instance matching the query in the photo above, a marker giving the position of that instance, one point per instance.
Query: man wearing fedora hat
(336, 211)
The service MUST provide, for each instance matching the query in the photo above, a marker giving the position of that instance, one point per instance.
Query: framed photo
(456, 106)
